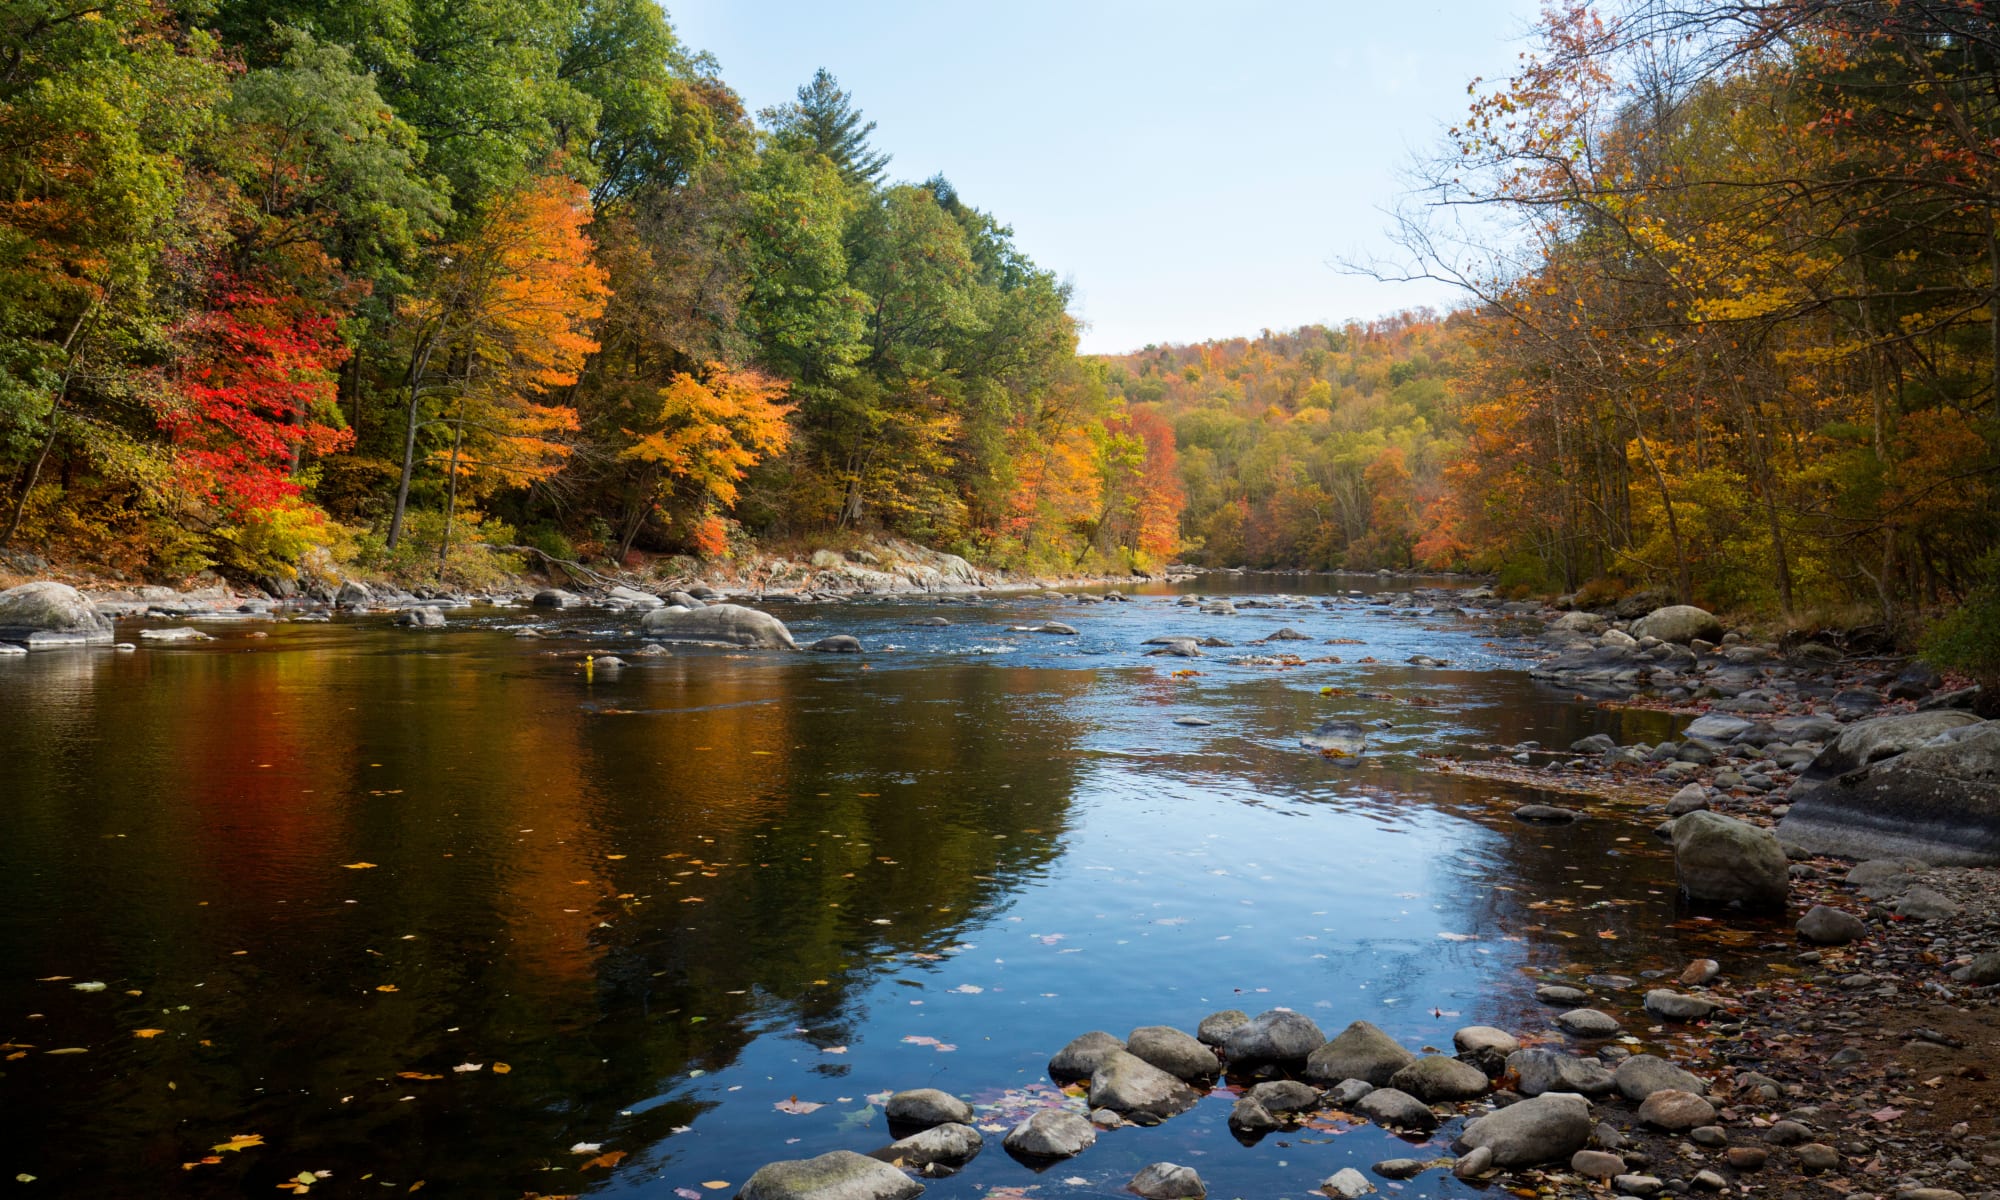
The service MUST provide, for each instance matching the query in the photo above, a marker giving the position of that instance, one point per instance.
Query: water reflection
(335, 864)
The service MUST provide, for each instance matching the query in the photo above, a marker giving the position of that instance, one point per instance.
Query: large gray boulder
(46, 614)
(1081, 1057)
(1539, 1070)
(1681, 623)
(1279, 1037)
(1051, 1133)
(939, 1150)
(1722, 860)
(840, 1175)
(1393, 1108)
(720, 624)
(925, 1107)
(1362, 1051)
(1871, 741)
(1546, 1128)
(1136, 1089)
(1938, 800)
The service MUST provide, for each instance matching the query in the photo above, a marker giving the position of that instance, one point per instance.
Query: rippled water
(332, 864)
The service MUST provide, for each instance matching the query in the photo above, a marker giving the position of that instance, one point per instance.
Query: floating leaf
(387, 987)
(716, 1185)
(501, 1068)
(417, 1075)
(466, 1068)
(586, 1147)
(361, 866)
(147, 1033)
(798, 1107)
(240, 1141)
(92, 986)
(607, 1160)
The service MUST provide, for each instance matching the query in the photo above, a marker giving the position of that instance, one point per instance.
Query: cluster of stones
(1539, 1111)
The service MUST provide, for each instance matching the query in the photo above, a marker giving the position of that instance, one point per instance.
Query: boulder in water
(1338, 739)
(840, 1175)
(1361, 1051)
(47, 614)
(839, 643)
(1722, 860)
(1547, 1128)
(721, 624)
(1278, 1037)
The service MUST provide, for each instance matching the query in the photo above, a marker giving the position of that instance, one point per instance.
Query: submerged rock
(839, 643)
(840, 1175)
(1340, 739)
(725, 624)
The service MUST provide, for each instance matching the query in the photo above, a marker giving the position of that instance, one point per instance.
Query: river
(440, 906)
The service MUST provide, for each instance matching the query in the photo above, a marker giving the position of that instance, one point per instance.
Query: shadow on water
(439, 906)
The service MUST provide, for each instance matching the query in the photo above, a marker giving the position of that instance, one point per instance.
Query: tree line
(407, 280)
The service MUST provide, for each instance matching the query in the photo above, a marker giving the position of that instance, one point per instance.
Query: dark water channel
(316, 872)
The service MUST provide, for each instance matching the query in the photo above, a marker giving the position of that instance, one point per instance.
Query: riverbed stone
(1277, 1037)
(1561, 994)
(1638, 1185)
(1827, 926)
(1395, 1109)
(1818, 1156)
(1361, 1051)
(1474, 1163)
(1173, 1052)
(1082, 1056)
(1746, 1158)
(723, 624)
(1435, 1078)
(1546, 1128)
(1921, 903)
(1678, 1006)
(839, 643)
(1596, 1164)
(1248, 1117)
(1934, 797)
(1285, 1096)
(1588, 1023)
(839, 1175)
(1541, 1070)
(1485, 1047)
(1348, 1092)
(1168, 1181)
(1546, 814)
(1339, 739)
(559, 598)
(1051, 1133)
(939, 1150)
(1674, 1109)
(1722, 860)
(924, 1107)
(1643, 1074)
(1216, 1027)
(1137, 1090)
(46, 614)
(1691, 798)
(1346, 1184)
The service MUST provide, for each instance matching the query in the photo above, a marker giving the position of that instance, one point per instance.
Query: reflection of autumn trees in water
(566, 874)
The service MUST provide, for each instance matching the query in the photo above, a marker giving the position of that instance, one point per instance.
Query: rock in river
(1435, 1078)
(1050, 1133)
(47, 614)
(1346, 1184)
(724, 624)
(939, 1150)
(1279, 1037)
(1546, 814)
(1339, 739)
(839, 643)
(1362, 1051)
(1215, 1028)
(1168, 1181)
(1285, 1096)
(924, 1107)
(1485, 1047)
(1082, 1056)
(1722, 860)
(1588, 1022)
(1395, 1109)
(840, 1175)
(1173, 1052)
(1547, 1128)
(1137, 1090)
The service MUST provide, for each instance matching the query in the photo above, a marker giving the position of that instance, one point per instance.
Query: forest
(407, 283)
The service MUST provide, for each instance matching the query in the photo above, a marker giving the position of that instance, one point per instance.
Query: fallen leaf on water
(833, 1049)
(416, 1075)
(607, 1160)
(716, 1185)
(147, 1033)
(52, 979)
(1607, 935)
(68, 1050)
(687, 1194)
(387, 987)
(240, 1141)
(798, 1107)
(466, 1068)
(586, 1147)
(357, 866)
(92, 986)
(501, 1068)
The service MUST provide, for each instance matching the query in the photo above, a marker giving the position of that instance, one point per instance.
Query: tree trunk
(450, 498)
(419, 363)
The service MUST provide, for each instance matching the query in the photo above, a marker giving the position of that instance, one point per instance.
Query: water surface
(441, 906)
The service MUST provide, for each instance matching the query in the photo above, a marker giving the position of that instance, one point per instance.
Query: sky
(1195, 171)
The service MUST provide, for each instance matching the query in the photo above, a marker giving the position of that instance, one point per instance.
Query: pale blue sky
(1193, 169)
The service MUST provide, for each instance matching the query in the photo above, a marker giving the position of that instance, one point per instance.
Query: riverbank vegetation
(394, 278)
(411, 280)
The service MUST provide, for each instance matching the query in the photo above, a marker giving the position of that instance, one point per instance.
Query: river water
(438, 907)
